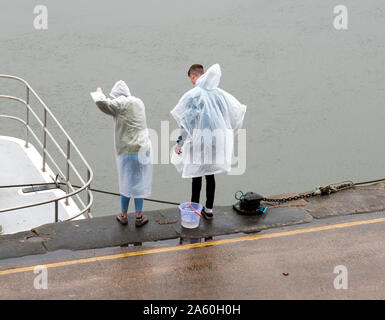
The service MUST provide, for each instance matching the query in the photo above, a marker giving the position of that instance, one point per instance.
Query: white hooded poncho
(132, 142)
(211, 117)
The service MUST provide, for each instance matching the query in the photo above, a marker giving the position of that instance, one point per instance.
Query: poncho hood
(120, 88)
(211, 78)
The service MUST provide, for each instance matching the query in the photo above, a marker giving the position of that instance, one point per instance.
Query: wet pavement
(102, 232)
(295, 262)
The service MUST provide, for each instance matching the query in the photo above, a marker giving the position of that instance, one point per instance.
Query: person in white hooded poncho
(209, 117)
(132, 145)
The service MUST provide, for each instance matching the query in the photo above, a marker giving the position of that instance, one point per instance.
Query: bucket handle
(194, 209)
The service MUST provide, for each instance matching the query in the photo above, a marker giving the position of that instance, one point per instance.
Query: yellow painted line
(198, 245)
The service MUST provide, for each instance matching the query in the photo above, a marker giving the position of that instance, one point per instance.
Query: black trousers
(210, 190)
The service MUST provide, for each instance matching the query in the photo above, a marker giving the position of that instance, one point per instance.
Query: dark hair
(196, 70)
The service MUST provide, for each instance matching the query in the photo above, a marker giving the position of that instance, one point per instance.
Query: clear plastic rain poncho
(132, 142)
(211, 117)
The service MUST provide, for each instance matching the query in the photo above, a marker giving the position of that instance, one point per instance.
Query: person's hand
(99, 90)
(178, 149)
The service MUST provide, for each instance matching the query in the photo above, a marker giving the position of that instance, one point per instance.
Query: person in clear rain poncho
(132, 145)
(209, 117)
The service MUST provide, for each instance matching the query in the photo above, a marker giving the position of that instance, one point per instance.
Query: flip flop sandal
(141, 222)
(122, 219)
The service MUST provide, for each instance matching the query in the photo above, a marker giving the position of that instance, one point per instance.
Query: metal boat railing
(70, 146)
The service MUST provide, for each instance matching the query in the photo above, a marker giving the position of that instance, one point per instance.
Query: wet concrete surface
(360, 199)
(298, 266)
(165, 224)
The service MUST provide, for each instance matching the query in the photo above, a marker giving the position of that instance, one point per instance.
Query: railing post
(88, 192)
(27, 120)
(44, 138)
(56, 211)
(68, 169)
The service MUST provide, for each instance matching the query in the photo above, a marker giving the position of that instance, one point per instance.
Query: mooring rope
(320, 190)
(75, 186)
(368, 182)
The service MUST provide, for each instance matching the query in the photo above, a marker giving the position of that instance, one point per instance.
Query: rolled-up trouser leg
(138, 204)
(196, 189)
(124, 202)
(210, 191)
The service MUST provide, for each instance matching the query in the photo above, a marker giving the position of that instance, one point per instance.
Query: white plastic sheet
(135, 174)
(211, 118)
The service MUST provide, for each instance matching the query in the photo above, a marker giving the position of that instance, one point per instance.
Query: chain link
(331, 188)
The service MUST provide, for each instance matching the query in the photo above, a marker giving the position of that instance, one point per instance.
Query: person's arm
(182, 137)
(180, 141)
(105, 104)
